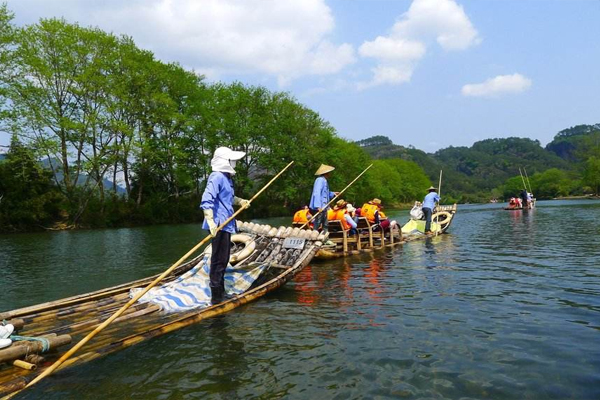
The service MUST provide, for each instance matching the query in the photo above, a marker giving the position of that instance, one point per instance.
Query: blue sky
(427, 73)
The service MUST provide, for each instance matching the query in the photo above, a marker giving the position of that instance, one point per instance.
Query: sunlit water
(505, 306)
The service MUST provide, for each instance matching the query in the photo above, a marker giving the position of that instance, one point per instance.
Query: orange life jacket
(368, 211)
(339, 215)
(301, 216)
(329, 213)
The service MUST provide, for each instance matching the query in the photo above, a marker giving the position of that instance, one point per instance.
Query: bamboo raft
(370, 238)
(62, 323)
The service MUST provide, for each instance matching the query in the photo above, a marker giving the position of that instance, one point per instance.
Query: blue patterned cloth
(192, 289)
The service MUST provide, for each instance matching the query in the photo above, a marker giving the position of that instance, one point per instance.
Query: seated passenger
(302, 216)
(352, 218)
(340, 213)
(518, 202)
(375, 215)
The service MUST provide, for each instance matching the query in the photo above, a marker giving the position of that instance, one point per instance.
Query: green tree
(28, 197)
(591, 174)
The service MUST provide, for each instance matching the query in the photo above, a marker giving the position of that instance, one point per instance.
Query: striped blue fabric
(192, 289)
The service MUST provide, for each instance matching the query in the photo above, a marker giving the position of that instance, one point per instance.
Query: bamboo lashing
(335, 197)
(100, 327)
(23, 348)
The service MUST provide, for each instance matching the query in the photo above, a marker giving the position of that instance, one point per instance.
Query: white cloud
(426, 21)
(443, 20)
(495, 87)
(285, 39)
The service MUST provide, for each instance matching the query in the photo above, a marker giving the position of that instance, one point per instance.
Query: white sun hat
(222, 157)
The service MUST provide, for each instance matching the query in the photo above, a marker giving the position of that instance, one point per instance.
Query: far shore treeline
(97, 111)
(104, 134)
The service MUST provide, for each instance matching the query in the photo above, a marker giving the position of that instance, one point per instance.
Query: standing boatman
(428, 205)
(217, 204)
(321, 195)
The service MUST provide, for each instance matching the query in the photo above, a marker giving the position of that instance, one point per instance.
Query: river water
(505, 306)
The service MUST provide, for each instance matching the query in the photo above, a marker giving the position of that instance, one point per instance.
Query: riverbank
(585, 197)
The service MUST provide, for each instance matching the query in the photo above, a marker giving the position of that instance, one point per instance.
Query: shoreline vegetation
(105, 135)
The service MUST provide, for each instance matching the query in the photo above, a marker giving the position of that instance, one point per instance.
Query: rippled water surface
(505, 306)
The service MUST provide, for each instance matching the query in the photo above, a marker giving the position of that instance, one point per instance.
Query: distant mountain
(471, 173)
(569, 143)
(108, 185)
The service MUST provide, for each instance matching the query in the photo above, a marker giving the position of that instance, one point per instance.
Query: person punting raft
(428, 218)
(279, 253)
(217, 204)
(428, 205)
(320, 198)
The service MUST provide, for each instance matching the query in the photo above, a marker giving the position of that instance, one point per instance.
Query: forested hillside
(93, 107)
(569, 165)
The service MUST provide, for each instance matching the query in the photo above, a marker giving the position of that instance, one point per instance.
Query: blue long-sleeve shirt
(218, 196)
(430, 199)
(320, 194)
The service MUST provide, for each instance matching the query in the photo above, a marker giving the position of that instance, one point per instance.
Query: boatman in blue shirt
(321, 195)
(217, 204)
(428, 205)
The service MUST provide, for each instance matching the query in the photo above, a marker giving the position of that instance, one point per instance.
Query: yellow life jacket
(301, 216)
(339, 215)
(329, 213)
(368, 211)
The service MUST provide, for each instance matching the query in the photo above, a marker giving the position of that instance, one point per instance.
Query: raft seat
(366, 240)
(340, 236)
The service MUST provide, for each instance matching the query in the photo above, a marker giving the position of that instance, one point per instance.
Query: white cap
(222, 156)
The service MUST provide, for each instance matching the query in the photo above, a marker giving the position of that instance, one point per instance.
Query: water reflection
(506, 306)
(226, 357)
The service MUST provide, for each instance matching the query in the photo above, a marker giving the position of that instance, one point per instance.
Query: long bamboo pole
(335, 197)
(440, 195)
(526, 176)
(523, 179)
(100, 327)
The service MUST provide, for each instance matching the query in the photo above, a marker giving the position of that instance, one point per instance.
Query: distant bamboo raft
(371, 237)
(283, 251)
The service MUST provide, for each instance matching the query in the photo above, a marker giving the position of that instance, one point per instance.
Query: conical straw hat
(323, 169)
